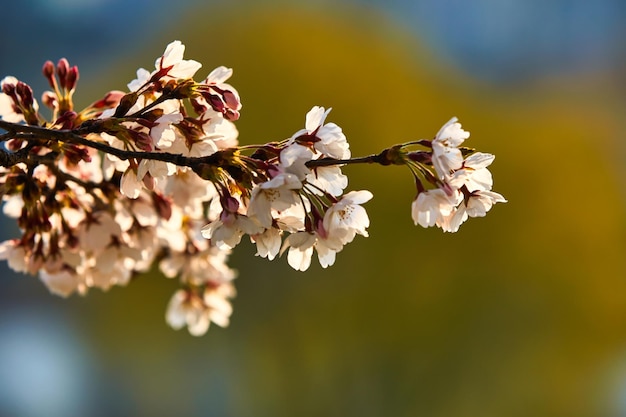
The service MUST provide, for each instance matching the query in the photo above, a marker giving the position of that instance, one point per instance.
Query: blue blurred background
(522, 313)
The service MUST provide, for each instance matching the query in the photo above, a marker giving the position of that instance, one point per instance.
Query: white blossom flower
(156, 169)
(13, 206)
(301, 246)
(293, 159)
(196, 311)
(219, 75)
(62, 282)
(15, 255)
(112, 266)
(196, 148)
(143, 76)
(171, 232)
(433, 207)
(477, 204)
(292, 219)
(474, 173)
(144, 212)
(226, 232)
(186, 189)
(146, 244)
(267, 243)
(330, 141)
(59, 273)
(327, 179)
(220, 309)
(163, 133)
(130, 184)
(7, 110)
(346, 218)
(206, 266)
(276, 194)
(446, 155)
(96, 234)
(187, 309)
(222, 132)
(174, 65)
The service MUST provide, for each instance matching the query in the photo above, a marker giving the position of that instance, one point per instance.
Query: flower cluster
(155, 175)
(462, 185)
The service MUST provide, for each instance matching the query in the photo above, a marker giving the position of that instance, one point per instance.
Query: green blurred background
(522, 313)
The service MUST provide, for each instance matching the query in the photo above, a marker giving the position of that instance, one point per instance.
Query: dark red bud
(9, 90)
(126, 103)
(74, 154)
(62, 69)
(66, 120)
(231, 100)
(72, 78)
(48, 72)
(216, 102)
(25, 94)
(143, 141)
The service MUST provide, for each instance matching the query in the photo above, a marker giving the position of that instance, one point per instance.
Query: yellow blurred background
(521, 313)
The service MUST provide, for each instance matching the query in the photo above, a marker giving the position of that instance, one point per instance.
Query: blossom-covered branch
(156, 175)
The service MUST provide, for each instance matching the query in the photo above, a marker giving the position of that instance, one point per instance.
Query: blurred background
(522, 313)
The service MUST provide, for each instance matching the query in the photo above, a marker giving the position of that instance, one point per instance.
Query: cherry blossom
(433, 207)
(172, 64)
(347, 217)
(447, 156)
(156, 175)
(276, 194)
(301, 246)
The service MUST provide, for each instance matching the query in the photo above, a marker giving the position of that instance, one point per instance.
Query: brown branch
(220, 158)
(325, 162)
